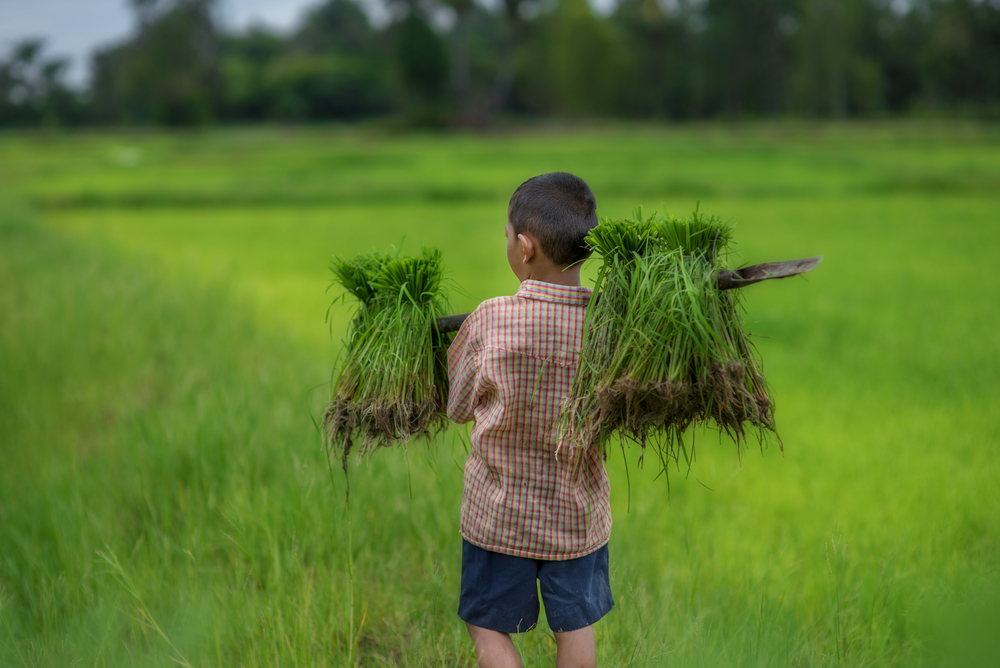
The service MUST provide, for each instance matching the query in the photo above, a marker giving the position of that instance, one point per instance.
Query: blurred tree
(478, 44)
(591, 68)
(18, 83)
(422, 62)
(302, 87)
(901, 38)
(33, 90)
(244, 62)
(864, 72)
(335, 66)
(575, 64)
(828, 64)
(670, 77)
(59, 104)
(461, 71)
(512, 45)
(168, 73)
(961, 59)
(748, 54)
(336, 26)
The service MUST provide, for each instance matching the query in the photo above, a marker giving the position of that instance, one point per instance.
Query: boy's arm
(465, 371)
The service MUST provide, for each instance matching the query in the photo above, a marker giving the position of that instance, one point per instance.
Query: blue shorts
(499, 591)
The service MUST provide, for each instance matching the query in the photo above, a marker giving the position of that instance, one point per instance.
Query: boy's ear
(528, 246)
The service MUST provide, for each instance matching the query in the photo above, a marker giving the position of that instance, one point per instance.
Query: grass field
(164, 498)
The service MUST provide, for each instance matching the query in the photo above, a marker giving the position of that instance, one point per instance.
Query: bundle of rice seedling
(392, 384)
(664, 348)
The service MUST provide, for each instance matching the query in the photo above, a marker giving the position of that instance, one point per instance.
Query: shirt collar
(550, 292)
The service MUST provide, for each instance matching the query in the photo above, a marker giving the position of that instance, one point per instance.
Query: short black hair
(558, 209)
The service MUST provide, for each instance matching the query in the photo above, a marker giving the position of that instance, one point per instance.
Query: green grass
(163, 491)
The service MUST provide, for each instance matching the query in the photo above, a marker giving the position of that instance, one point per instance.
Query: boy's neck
(549, 273)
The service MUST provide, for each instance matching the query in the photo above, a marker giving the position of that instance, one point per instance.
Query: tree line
(460, 62)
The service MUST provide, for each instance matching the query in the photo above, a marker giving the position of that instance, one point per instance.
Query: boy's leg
(576, 649)
(496, 650)
(499, 596)
(577, 593)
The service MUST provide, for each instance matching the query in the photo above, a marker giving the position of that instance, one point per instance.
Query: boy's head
(553, 213)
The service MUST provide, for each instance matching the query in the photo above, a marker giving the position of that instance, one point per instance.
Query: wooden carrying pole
(726, 280)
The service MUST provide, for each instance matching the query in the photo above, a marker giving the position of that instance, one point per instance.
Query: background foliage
(459, 62)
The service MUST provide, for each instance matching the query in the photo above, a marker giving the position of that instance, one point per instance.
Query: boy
(527, 513)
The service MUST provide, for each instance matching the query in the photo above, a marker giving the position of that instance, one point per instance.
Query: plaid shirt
(510, 367)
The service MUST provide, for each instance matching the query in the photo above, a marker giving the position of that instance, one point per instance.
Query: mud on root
(732, 396)
(378, 423)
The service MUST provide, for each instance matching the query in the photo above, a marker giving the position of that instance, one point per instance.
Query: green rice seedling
(664, 348)
(393, 383)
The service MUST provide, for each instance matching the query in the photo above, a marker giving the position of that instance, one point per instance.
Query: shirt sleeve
(465, 370)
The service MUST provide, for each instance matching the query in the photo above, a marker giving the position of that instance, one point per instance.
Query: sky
(74, 28)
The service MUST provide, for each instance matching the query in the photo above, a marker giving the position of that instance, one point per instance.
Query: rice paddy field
(165, 359)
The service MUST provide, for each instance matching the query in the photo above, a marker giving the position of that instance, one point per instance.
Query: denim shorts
(500, 592)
